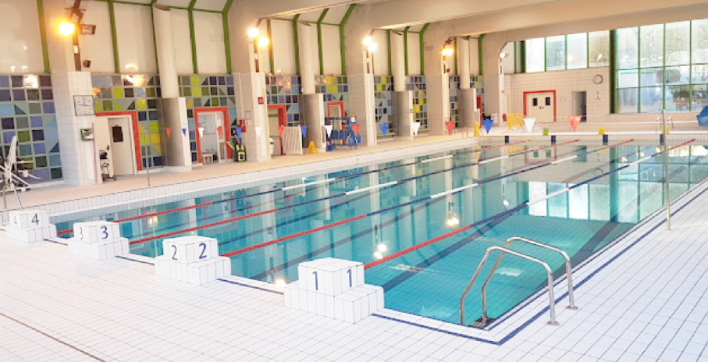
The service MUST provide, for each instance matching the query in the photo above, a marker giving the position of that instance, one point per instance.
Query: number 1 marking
(350, 277)
(316, 286)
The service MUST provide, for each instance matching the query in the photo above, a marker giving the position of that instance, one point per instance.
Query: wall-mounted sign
(87, 29)
(260, 100)
(87, 134)
(83, 105)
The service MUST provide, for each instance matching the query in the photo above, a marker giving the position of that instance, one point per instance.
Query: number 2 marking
(174, 255)
(202, 256)
(350, 277)
(316, 286)
(35, 219)
(104, 229)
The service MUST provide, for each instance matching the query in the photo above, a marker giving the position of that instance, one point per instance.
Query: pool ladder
(484, 320)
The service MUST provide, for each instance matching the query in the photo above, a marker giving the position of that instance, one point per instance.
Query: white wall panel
(209, 33)
(381, 54)
(263, 52)
(413, 54)
(315, 49)
(183, 46)
(135, 43)
(332, 56)
(20, 42)
(283, 47)
(474, 56)
(98, 47)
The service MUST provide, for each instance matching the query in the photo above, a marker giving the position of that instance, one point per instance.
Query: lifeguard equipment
(240, 153)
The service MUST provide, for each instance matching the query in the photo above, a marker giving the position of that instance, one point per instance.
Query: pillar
(313, 103)
(402, 98)
(467, 97)
(438, 81)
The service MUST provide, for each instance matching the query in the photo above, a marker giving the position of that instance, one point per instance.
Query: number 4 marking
(35, 219)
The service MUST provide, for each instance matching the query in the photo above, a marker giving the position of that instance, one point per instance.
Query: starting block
(98, 240)
(192, 259)
(30, 226)
(334, 288)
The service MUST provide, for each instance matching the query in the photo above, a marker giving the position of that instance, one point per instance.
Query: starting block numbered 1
(334, 288)
(98, 240)
(30, 226)
(192, 259)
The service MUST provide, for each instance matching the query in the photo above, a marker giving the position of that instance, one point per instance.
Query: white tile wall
(438, 98)
(361, 104)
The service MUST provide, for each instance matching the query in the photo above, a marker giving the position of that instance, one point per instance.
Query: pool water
(348, 215)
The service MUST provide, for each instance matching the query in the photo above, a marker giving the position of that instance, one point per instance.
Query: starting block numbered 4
(192, 259)
(98, 240)
(334, 288)
(30, 226)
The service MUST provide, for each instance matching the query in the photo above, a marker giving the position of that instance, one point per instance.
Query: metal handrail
(568, 272)
(551, 299)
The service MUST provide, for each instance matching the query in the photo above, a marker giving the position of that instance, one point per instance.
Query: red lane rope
(151, 238)
(302, 233)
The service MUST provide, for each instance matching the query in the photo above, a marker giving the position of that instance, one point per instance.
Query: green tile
(40, 161)
(118, 93)
(22, 123)
(23, 136)
(107, 106)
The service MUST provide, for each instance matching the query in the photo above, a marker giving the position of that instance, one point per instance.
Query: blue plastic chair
(703, 117)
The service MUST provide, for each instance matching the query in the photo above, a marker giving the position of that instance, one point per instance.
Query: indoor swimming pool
(421, 225)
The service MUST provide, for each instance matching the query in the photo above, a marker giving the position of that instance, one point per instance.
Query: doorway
(276, 117)
(115, 136)
(580, 105)
(335, 109)
(212, 137)
(540, 105)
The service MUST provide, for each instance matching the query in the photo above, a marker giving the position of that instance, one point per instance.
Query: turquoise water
(429, 281)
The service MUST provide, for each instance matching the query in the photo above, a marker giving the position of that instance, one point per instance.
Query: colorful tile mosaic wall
(475, 82)
(335, 89)
(383, 97)
(207, 92)
(134, 92)
(27, 111)
(420, 102)
(285, 90)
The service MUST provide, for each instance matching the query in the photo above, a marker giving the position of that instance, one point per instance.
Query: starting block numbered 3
(334, 288)
(30, 226)
(98, 240)
(192, 259)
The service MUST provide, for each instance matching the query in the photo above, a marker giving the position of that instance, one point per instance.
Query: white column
(307, 70)
(463, 60)
(398, 62)
(250, 90)
(165, 51)
(438, 93)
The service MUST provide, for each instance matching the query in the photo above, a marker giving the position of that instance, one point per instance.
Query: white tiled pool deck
(641, 300)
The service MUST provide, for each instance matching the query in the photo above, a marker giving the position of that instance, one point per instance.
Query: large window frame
(536, 68)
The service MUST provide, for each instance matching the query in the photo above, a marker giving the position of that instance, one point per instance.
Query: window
(577, 51)
(117, 132)
(535, 50)
(662, 66)
(599, 49)
(555, 53)
(548, 101)
(535, 102)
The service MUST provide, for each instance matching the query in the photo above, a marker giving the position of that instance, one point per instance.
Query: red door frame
(341, 107)
(282, 120)
(226, 129)
(555, 105)
(479, 106)
(136, 134)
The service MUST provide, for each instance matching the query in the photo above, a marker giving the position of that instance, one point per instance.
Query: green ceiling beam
(43, 34)
(153, 2)
(388, 41)
(114, 36)
(405, 47)
(270, 48)
(341, 37)
(479, 53)
(193, 35)
(297, 44)
(227, 39)
(319, 39)
(422, 48)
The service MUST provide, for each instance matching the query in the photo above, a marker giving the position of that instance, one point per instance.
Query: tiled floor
(647, 302)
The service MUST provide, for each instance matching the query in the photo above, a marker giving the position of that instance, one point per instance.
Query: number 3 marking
(104, 229)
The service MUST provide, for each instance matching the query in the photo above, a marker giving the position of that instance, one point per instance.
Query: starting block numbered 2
(334, 288)
(192, 259)
(98, 240)
(30, 226)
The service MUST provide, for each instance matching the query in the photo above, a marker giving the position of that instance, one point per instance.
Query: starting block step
(30, 226)
(98, 240)
(192, 259)
(334, 288)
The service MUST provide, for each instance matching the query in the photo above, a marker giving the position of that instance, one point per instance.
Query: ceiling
(209, 5)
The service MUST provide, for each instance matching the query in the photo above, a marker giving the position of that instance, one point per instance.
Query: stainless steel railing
(505, 250)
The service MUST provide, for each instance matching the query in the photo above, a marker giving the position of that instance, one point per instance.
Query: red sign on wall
(260, 100)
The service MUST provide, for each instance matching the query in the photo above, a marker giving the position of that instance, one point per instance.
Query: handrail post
(666, 169)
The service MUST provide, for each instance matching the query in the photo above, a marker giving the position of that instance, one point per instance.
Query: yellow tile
(141, 103)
